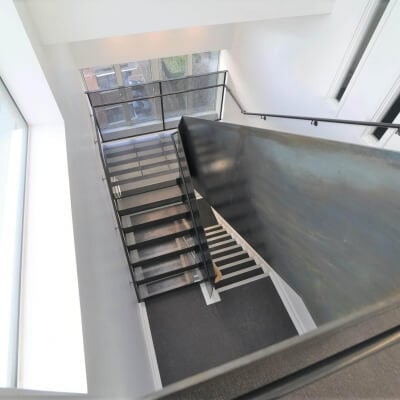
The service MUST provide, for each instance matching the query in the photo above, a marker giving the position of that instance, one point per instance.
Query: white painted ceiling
(60, 21)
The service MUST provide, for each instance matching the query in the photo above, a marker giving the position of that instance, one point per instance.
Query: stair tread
(139, 156)
(148, 235)
(181, 280)
(165, 268)
(143, 201)
(145, 185)
(128, 145)
(234, 256)
(165, 250)
(141, 167)
(142, 162)
(136, 221)
(240, 276)
(137, 176)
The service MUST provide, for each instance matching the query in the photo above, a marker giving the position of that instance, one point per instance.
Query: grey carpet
(190, 337)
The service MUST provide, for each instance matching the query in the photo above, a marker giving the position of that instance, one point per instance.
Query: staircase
(236, 265)
(156, 214)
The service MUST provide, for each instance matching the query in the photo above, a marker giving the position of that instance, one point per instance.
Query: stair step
(156, 234)
(218, 239)
(152, 289)
(221, 245)
(139, 156)
(212, 228)
(141, 163)
(131, 145)
(236, 265)
(230, 258)
(133, 222)
(242, 282)
(145, 185)
(163, 269)
(162, 251)
(238, 276)
(213, 235)
(149, 200)
(139, 167)
(225, 251)
(137, 176)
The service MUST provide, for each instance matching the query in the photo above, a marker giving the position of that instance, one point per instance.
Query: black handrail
(161, 95)
(314, 120)
(156, 81)
(328, 366)
(99, 143)
(190, 195)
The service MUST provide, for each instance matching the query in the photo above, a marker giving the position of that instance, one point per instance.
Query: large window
(137, 72)
(370, 29)
(136, 76)
(13, 149)
(389, 117)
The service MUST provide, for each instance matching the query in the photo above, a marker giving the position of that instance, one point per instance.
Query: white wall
(117, 363)
(76, 20)
(290, 66)
(147, 46)
(50, 339)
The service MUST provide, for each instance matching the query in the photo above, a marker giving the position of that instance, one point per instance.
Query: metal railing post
(162, 104)
(223, 97)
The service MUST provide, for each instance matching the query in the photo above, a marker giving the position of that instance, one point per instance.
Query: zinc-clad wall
(324, 214)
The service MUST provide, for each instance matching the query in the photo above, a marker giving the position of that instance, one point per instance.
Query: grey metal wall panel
(324, 214)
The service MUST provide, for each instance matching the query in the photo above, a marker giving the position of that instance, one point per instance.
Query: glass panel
(100, 78)
(199, 236)
(129, 119)
(13, 148)
(203, 102)
(205, 62)
(124, 94)
(136, 72)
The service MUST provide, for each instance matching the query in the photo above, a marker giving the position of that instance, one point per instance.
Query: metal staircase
(157, 213)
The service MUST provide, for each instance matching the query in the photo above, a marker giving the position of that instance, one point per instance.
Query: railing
(189, 194)
(157, 106)
(314, 120)
(107, 179)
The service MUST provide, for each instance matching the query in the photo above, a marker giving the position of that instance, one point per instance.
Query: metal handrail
(157, 81)
(328, 366)
(161, 95)
(314, 120)
(188, 195)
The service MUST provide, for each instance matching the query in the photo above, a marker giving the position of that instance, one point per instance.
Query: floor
(190, 337)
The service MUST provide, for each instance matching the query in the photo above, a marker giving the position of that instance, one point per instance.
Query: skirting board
(293, 303)
(150, 346)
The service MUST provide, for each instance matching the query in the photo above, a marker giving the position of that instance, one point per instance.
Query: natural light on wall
(13, 149)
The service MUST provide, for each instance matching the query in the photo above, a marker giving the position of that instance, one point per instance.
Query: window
(373, 23)
(202, 63)
(389, 117)
(115, 115)
(174, 67)
(137, 72)
(100, 78)
(13, 150)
